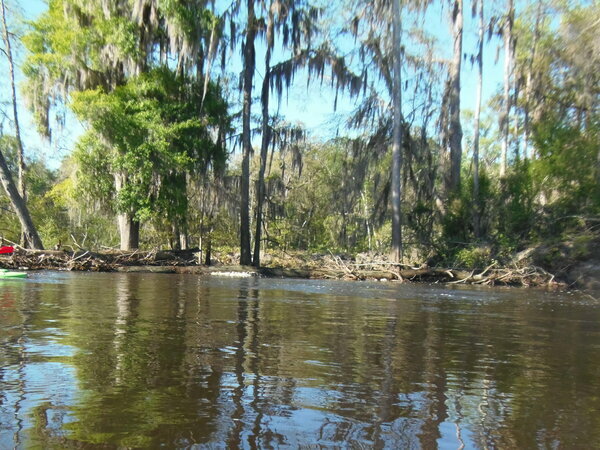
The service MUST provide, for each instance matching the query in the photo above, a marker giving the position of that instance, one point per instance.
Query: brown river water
(92, 360)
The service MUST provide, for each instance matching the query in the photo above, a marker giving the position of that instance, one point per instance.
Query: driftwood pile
(323, 267)
(489, 276)
(92, 261)
(365, 266)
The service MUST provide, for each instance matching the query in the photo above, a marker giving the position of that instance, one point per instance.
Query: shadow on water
(148, 360)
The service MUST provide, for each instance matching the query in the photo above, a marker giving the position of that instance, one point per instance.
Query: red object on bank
(7, 250)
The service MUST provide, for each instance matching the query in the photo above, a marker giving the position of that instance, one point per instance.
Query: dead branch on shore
(86, 260)
(326, 267)
(491, 275)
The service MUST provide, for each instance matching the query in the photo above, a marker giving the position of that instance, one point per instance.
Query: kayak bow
(4, 273)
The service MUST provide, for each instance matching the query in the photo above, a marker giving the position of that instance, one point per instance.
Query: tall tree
(398, 133)
(77, 46)
(266, 130)
(566, 101)
(382, 87)
(293, 20)
(249, 55)
(529, 80)
(157, 133)
(30, 237)
(11, 73)
(455, 129)
(476, 205)
(507, 34)
(60, 62)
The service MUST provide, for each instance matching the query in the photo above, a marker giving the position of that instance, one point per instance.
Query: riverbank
(361, 267)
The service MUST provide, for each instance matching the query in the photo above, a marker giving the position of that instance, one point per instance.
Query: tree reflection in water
(144, 360)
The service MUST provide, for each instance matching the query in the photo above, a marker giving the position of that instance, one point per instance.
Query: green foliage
(508, 217)
(83, 217)
(582, 245)
(325, 208)
(46, 211)
(92, 180)
(74, 45)
(515, 205)
(567, 167)
(473, 257)
(457, 223)
(150, 132)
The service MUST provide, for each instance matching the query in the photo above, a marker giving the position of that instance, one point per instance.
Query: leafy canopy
(152, 131)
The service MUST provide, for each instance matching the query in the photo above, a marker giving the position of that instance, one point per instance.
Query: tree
(18, 198)
(11, 72)
(507, 34)
(150, 131)
(476, 120)
(266, 130)
(249, 65)
(454, 127)
(77, 46)
(529, 78)
(565, 100)
(294, 20)
(398, 134)
(380, 115)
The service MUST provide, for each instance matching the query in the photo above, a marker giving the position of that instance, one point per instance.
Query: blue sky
(312, 107)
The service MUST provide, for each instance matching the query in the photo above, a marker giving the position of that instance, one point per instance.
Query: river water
(148, 360)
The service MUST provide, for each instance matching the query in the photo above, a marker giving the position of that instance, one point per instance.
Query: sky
(313, 107)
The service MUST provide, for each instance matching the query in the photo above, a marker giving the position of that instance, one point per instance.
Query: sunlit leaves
(150, 129)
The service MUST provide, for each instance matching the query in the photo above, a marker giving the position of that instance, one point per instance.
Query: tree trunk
(528, 81)
(11, 71)
(529, 153)
(184, 239)
(19, 206)
(455, 129)
(212, 47)
(508, 71)
(476, 205)
(129, 228)
(20, 150)
(249, 61)
(175, 235)
(266, 139)
(397, 135)
(208, 253)
(598, 169)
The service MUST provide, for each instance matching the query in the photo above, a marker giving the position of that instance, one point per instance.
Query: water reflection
(143, 360)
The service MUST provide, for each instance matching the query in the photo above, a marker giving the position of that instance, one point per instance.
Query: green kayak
(4, 273)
